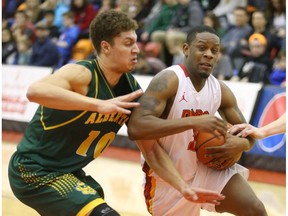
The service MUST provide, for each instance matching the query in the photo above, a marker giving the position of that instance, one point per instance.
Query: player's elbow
(135, 131)
(132, 133)
(32, 92)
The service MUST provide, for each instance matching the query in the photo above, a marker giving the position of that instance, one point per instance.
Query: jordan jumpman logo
(183, 98)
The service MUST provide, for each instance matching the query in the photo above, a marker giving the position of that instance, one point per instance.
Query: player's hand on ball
(198, 195)
(233, 146)
(209, 123)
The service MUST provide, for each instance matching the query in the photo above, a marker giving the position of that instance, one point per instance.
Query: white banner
(15, 82)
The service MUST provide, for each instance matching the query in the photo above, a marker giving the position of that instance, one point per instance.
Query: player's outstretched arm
(67, 88)
(276, 127)
(160, 162)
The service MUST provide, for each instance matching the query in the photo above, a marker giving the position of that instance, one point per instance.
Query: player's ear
(185, 49)
(105, 47)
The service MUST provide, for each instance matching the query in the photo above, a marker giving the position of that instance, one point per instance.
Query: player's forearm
(58, 98)
(276, 127)
(162, 165)
(154, 128)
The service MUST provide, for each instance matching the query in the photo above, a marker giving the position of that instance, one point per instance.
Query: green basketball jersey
(66, 141)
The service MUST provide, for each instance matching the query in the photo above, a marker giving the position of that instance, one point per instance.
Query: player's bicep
(229, 109)
(71, 77)
(162, 87)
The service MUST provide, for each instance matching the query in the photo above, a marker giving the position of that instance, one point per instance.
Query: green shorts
(53, 193)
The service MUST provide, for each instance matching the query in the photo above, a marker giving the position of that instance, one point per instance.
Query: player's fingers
(131, 96)
(124, 111)
(236, 128)
(214, 202)
(246, 132)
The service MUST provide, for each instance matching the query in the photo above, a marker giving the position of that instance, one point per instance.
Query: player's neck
(111, 76)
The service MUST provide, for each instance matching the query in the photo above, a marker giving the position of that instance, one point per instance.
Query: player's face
(124, 51)
(203, 52)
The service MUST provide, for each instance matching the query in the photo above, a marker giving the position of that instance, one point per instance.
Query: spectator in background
(48, 20)
(161, 22)
(156, 31)
(10, 6)
(59, 8)
(257, 67)
(84, 12)
(210, 19)
(44, 51)
(23, 54)
(154, 12)
(22, 29)
(231, 39)
(208, 5)
(223, 69)
(278, 74)
(107, 5)
(225, 11)
(276, 12)
(67, 38)
(241, 28)
(8, 45)
(256, 5)
(188, 14)
(33, 10)
(259, 25)
(138, 10)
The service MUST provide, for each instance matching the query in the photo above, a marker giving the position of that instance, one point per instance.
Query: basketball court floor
(119, 172)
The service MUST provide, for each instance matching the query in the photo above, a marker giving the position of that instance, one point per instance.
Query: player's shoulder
(166, 75)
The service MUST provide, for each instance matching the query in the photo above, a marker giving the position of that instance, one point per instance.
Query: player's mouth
(134, 60)
(206, 66)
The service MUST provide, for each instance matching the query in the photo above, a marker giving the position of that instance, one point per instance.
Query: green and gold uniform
(46, 170)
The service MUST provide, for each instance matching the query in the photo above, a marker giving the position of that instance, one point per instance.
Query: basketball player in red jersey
(163, 126)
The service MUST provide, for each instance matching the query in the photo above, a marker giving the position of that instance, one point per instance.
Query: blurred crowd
(52, 33)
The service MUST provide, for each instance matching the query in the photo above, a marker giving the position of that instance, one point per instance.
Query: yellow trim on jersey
(75, 118)
(152, 192)
(104, 78)
(59, 125)
(90, 206)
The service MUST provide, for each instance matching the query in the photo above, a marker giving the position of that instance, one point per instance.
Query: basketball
(206, 139)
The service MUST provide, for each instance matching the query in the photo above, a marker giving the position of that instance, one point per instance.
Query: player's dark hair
(109, 24)
(199, 29)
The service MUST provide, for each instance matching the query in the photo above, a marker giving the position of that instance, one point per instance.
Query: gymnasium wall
(259, 105)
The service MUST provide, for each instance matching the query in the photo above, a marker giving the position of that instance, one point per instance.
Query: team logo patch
(183, 98)
(85, 189)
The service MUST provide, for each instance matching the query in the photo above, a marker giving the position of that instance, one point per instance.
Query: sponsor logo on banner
(272, 104)
(274, 109)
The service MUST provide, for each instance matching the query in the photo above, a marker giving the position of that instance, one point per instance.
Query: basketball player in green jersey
(82, 107)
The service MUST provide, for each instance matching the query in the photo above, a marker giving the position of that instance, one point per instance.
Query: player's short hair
(109, 24)
(199, 29)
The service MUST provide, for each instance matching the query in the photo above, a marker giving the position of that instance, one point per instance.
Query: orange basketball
(206, 139)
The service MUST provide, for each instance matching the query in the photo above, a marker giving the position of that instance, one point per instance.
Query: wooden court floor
(121, 177)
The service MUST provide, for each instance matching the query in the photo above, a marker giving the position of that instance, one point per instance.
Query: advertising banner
(15, 82)
(270, 152)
